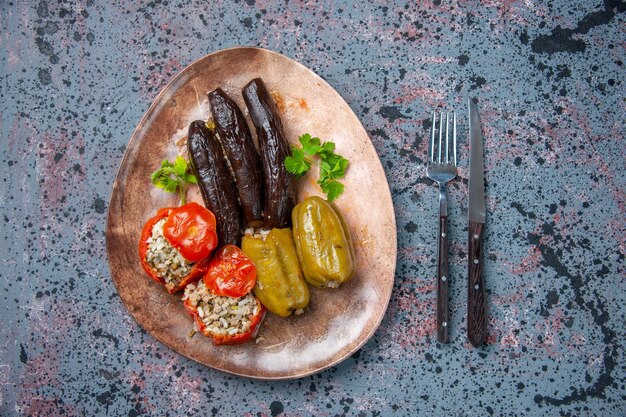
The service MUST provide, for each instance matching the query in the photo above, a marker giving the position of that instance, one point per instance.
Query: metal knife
(476, 301)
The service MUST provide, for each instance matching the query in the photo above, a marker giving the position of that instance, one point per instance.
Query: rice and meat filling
(222, 315)
(165, 259)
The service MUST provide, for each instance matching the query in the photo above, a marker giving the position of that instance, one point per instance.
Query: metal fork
(441, 168)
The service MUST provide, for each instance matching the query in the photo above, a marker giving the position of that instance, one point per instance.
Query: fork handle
(476, 300)
(443, 311)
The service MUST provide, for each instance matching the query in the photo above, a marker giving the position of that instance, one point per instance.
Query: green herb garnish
(332, 166)
(173, 177)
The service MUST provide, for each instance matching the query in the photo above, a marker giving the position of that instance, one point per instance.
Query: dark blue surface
(76, 78)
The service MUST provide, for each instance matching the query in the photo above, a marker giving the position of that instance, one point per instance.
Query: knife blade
(476, 300)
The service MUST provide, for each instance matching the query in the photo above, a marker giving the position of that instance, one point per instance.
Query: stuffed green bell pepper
(279, 282)
(323, 243)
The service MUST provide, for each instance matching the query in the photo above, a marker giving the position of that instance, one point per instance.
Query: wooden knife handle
(476, 300)
(443, 311)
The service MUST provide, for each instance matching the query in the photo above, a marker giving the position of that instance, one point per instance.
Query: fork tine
(440, 133)
(447, 138)
(431, 151)
(454, 136)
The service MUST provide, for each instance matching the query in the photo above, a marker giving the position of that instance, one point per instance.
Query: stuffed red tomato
(176, 245)
(222, 303)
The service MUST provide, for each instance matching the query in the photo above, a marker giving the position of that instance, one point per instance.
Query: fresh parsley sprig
(332, 166)
(173, 177)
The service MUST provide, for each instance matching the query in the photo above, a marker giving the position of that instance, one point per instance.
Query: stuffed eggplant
(280, 187)
(241, 153)
(216, 182)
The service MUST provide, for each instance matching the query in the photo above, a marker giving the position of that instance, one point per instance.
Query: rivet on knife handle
(476, 302)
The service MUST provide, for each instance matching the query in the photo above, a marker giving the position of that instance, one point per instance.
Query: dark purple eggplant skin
(216, 182)
(240, 151)
(280, 185)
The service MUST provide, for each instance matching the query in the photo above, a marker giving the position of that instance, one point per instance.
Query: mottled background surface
(76, 78)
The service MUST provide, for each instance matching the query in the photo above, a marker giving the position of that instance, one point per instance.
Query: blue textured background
(76, 78)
